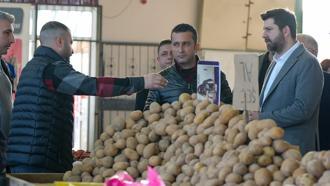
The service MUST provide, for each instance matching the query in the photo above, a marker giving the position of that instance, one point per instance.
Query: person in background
(264, 61)
(309, 43)
(6, 39)
(164, 59)
(324, 116)
(293, 84)
(40, 138)
(182, 75)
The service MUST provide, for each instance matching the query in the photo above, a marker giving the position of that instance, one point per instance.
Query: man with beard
(40, 138)
(293, 83)
(182, 75)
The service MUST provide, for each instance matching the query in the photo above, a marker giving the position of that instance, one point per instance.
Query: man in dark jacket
(40, 138)
(164, 59)
(182, 75)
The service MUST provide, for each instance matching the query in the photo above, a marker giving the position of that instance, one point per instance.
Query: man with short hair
(182, 75)
(40, 138)
(164, 59)
(6, 39)
(293, 84)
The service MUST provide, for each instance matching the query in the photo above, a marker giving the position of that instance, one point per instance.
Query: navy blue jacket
(42, 120)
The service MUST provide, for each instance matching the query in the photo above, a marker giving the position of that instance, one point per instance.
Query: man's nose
(11, 38)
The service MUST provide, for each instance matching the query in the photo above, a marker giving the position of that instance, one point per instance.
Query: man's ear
(286, 31)
(197, 47)
(58, 42)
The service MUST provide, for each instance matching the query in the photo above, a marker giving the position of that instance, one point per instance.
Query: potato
(246, 157)
(121, 143)
(142, 165)
(186, 110)
(288, 166)
(165, 106)
(133, 172)
(87, 178)
(110, 150)
(240, 139)
(120, 158)
(99, 153)
(226, 113)
(280, 146)
(305, 180)
(325, 178)
(292, 153)
(74, 179)
(170, 129)
(253, 168)
(118, 123)
(129, 123)
(184, 97)
(277, 160)
(307, 157)
(153, 137)
(98, 179)
(263, 176)
(298, 172)
(136, 115)
(120, 166)
(131, 154)
(107, 161)
(139, 148)
(212, 108)
(155, 160)
(170, 112)
(176, 105)
(233, 178)
(154, 108)
(142, 138)
(264, 160)
(66, 175)
(240, 168)
(275, 133)
(278, 176)
(153, 117)
(149, 150)
(108, 173)
(200, 117)
(146, 114)
(315, 168)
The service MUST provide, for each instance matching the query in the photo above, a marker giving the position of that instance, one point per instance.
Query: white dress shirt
(280, 61)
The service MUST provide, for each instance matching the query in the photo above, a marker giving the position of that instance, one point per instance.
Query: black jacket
(177, 85)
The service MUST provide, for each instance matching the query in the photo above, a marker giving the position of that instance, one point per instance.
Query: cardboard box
(33, 179)
(209, 81)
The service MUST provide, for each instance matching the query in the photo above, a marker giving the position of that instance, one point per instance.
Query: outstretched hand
(154, 81)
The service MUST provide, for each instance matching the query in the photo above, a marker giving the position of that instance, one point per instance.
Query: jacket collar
(292, 60)
(43, 51)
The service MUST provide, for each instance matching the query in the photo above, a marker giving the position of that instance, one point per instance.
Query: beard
(277, 44)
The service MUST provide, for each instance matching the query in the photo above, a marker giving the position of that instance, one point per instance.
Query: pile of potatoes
(192, 142)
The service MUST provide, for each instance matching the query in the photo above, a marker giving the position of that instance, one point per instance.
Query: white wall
(150, 22)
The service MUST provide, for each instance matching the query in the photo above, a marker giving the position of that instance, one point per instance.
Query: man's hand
(253, 115)
(154, 81)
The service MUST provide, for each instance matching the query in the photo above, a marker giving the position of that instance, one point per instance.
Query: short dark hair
(54, 25)
(282, 17)
(7, 16)
(164, 42)
(51, 30)
(183, 27)
(325, 64)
